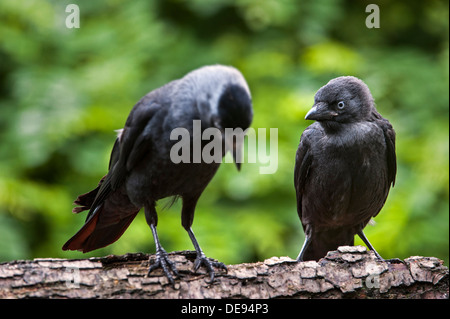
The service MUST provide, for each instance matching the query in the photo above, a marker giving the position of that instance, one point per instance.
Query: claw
(163, 261)
(395, 261)
(203, 260)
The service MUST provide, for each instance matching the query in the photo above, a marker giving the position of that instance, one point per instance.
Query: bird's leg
(187, 218)
(308, 231)
(202, 259)
(304, 247)
(162, 258)
(368, 244)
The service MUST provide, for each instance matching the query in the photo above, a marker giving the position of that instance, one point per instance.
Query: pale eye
(341, 105)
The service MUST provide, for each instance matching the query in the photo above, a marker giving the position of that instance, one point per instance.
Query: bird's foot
(163, 261)
(209, 264)
(395, 261)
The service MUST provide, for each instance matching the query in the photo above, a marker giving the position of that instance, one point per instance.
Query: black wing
(303, 160)
(389, 136)
(134, 141)
(128, 149)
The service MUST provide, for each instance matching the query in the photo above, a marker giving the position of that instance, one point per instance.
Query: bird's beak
(320, 112)
(235, 146)
(237, 162)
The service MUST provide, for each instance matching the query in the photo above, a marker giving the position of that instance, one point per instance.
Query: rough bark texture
(349, 272)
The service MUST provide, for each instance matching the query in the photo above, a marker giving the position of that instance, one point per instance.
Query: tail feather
(100, 229)
(324, 241)
(77, 241)
(86, 200)
(110, 214)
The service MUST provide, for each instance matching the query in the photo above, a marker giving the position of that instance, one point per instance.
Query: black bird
(344, 167)
(141, 170)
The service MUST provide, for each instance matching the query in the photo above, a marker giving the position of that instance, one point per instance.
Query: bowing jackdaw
(344, 167)
(141, 170)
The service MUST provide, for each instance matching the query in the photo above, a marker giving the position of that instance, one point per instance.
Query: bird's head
(224, 101)
(234, 108)
(234, 114)
(345, 99)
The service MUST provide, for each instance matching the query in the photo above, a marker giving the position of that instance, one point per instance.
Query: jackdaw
(344, 167)
(141, 170)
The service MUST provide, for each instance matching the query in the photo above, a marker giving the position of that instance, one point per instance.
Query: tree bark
(349, 272)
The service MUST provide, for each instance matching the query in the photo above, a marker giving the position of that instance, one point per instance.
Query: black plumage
(141, 170)
(344, 168)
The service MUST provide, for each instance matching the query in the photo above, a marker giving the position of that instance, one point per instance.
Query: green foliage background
(64, 91)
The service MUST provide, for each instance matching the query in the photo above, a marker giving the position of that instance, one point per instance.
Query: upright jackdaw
(141, 170)
(344, 167)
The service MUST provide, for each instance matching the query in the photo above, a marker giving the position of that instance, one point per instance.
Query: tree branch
(349, 272)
